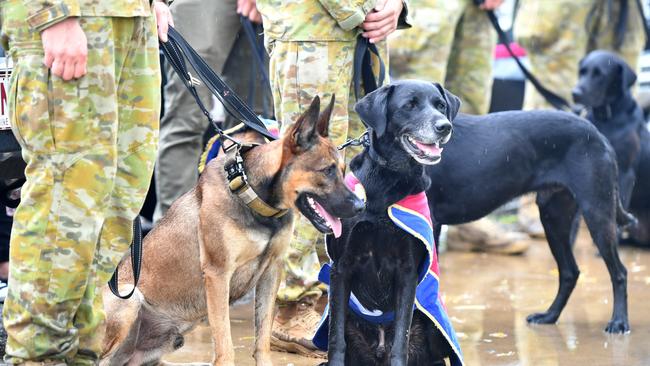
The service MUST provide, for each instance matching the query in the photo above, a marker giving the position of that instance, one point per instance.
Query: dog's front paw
(542, 318)
(617, 326)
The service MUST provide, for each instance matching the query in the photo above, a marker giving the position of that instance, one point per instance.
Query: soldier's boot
(487, 236)
(294, 326)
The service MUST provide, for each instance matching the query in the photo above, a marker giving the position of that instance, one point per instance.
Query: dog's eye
(411, 104)
(330, 171)
(442, 107)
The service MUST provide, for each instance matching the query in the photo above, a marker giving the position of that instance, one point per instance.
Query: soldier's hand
(163, 19)
(248, 8)
(491, 4)
(383, 20)
(66, 49)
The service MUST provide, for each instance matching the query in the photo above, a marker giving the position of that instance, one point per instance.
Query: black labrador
(373, 259)
(494, 158)
(603, 88)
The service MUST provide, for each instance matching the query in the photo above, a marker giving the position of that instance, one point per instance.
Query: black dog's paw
(541, 318)
(617, 326)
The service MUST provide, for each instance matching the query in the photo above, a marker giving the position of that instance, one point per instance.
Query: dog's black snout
(576, 93)
(442, 127)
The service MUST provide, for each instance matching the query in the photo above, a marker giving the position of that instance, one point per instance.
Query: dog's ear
(324, 119)
(373, 109)
(627, 76)
(453, 102)
(302, 134)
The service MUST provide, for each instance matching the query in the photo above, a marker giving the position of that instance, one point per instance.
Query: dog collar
(238, 185)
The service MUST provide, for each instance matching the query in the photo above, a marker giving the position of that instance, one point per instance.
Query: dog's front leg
(406, 280)
(217, 293)
(265, 293)
(339, 298)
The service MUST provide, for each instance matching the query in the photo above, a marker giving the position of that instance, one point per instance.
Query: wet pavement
(489, 297)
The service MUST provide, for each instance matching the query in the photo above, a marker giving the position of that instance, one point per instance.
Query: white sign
(5, 74)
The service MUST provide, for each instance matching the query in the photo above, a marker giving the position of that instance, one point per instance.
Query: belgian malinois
(210, 249)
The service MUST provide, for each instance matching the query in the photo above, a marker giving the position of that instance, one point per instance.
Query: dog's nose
(442, 127)
(576, 93)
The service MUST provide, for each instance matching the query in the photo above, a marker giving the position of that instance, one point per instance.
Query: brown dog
(211, 249)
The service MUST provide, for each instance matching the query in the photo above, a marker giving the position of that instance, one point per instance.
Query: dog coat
(412, 215)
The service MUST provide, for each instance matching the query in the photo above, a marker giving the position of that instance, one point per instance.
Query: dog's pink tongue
(335, 222)
(432, 149)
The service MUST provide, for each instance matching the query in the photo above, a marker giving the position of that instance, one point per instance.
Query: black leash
(136, 262)
(177, 50)
(363, 72)
(555, 100)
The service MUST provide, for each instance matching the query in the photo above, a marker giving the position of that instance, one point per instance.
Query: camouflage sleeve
(348, 13)
(45, 13)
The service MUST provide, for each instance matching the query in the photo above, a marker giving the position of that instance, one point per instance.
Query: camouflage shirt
(317, 20)
(43, 13)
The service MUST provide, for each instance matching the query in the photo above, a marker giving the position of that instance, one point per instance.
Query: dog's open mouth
(424, 152)
(325, 222)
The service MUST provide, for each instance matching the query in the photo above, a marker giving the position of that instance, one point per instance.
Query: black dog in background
(604, 89)
(494, 158)
(373, 258)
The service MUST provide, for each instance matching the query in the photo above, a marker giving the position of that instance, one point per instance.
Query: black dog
(374, 259)
(494, 158)
(604, 89)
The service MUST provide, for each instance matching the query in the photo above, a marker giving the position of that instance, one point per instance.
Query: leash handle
(177, 50)
(363, 67)
(136, 262)
(555, 100)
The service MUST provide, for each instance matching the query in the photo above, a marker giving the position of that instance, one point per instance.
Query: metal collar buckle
(363, 140)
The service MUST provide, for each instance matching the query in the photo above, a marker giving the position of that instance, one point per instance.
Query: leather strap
(240, 187)
(136, 262)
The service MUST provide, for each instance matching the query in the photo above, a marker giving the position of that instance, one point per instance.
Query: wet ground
(489, 297)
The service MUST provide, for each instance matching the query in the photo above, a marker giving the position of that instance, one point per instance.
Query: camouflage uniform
(311, 44)
(90, 146)
(556, 35)
(452, 42)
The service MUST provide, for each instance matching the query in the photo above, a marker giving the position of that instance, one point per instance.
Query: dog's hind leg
(265, 293)
(558, 213)
(602, 226)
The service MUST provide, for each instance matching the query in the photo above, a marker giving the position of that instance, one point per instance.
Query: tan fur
(209, 250)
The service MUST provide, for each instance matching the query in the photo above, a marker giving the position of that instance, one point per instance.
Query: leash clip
(362, 140)
(236, 169)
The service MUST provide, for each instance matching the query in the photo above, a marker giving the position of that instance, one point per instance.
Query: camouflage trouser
(299, 71)
(451, 42)
(90, 146)
(557, 34)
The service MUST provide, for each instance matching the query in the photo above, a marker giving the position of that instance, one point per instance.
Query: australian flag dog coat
(412, 215)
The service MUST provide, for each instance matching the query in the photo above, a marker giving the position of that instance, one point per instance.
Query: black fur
(373, 258)
(604, 88)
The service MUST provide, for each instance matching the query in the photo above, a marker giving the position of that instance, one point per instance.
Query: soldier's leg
(300, 71)
(422, 52)
(68, 135)
(183, 124)
(469, 71)
(137, 139)
(634, 38)
(554, 36)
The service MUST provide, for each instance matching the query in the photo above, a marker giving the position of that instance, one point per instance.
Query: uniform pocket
(29, 104)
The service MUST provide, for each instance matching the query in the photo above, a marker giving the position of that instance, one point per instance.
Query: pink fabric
(501, 52)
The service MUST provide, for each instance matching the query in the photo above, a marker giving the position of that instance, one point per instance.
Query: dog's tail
(624, 219)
